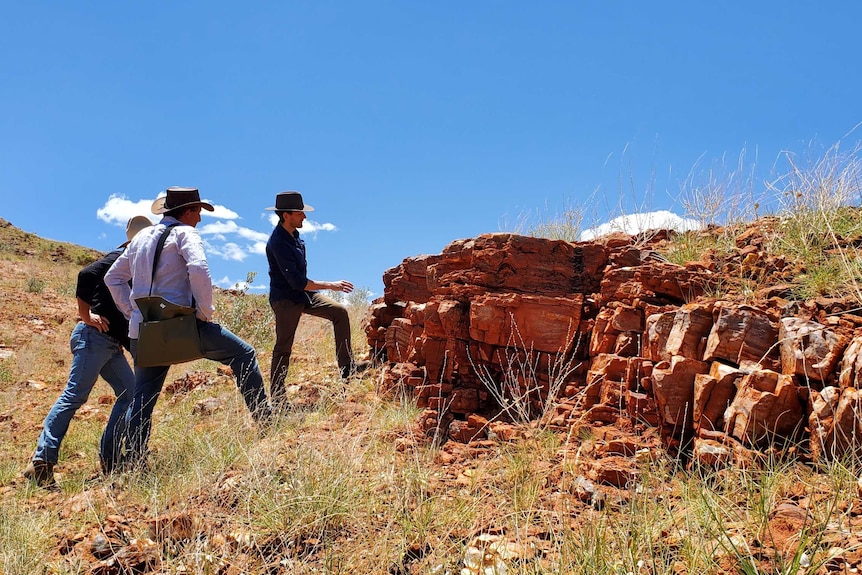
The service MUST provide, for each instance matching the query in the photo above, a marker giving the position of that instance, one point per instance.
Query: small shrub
(6, 371)
(35, 285)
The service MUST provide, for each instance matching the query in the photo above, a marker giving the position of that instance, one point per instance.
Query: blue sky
(406, 124)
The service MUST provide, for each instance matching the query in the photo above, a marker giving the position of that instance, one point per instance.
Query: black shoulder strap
(159, 246)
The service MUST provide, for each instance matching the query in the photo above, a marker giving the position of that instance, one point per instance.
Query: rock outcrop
(506, 328)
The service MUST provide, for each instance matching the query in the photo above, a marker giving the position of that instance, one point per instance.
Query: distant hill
(18, 243)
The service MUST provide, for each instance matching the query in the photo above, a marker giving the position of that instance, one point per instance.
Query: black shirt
(91, 288)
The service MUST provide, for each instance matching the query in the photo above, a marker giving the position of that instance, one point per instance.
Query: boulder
(766, 408)
(809, 349)
(713, 393)
(691, 327)
(850, 374)
(673, 387)
(836, 427)
(744, 336)
(531, 322)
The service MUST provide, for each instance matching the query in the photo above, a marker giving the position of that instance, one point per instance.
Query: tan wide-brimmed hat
(290, 202)
(136, 224)
(179, 198)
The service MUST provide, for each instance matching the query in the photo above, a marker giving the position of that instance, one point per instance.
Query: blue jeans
(218, 344)
(93, 354)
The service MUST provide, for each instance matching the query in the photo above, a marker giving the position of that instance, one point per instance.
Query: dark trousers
(287, 314)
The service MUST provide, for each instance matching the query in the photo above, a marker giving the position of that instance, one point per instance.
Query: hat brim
(305, 208)
(159, 207)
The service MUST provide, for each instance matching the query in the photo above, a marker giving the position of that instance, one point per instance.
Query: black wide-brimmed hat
(179, 198)
(290, 202)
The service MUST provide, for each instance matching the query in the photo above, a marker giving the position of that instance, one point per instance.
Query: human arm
(89, 317)
(117, 280)
(192, 250)
(340, 285)
(89, 285)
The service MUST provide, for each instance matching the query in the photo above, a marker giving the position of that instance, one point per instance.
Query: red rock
(658, 327)
(691, 327)
(601, 332)
(713, 393)
(467, 431)
(851, 365)
(604, 337)
(642, 407)
(463, 401)
(627, 318)
(709, 453)
(615, 471)
(401, 340)
(743, 336)
(407, 282)
(504, 431)
(655, 282)
(510, 262)
(809, 349)
(765, 408)
(836, 427)
(529, 322)
(447, 319)
(673, 386)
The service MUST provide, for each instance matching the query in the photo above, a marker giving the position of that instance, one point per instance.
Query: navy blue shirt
(91, 288)
(288, 268)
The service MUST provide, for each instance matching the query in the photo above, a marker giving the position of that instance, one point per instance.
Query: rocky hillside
(504, 329)
(552, 379)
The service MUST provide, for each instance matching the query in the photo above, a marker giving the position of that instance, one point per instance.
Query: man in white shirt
(182, 277)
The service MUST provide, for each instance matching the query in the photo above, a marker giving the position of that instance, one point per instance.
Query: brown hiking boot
(41, 473)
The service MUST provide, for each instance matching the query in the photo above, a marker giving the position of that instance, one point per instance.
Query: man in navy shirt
(292, 294)
(97, 349)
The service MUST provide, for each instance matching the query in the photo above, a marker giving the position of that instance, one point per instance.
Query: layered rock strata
(505, 328)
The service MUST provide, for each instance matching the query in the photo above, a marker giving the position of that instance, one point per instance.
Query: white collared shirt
(182, 273)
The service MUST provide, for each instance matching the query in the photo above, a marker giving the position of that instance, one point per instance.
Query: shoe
(109, 467)
(357, 368)
(41, 473)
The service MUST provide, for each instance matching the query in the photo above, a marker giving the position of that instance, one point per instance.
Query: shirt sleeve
(117, 279)
(192, 249)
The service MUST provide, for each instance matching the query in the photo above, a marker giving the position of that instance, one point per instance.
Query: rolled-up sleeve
(192, 249)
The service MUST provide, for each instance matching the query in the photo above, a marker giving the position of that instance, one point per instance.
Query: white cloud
(228, 251)
(221, 212)
(635, 223)
(218, 228)
(308, 226)
(250, 234)
(228, 283)
(224, 228)
(257, 248)
(118, 210)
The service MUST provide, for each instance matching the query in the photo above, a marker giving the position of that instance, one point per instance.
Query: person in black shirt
(97, 344)
(292, 294)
